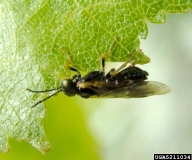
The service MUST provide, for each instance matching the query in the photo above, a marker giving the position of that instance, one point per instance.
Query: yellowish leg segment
(113, 71)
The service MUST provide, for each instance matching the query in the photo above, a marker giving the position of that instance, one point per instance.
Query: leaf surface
(39, 37)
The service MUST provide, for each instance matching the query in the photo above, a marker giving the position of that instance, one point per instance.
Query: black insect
(125, 82)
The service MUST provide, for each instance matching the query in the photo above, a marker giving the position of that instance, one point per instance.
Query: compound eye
(64, 83)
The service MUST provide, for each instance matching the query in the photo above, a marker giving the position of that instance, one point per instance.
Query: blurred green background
(65, 125)
(127, 129)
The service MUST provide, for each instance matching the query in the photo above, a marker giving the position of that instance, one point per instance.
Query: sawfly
(125, 82)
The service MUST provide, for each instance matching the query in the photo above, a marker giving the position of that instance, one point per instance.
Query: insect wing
(137, 90)
(148, 88)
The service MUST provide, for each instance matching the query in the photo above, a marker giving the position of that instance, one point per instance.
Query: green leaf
(39, 37)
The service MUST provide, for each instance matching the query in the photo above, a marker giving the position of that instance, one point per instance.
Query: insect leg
(78, 75)
(68, 65)
(103, 62)
(113, 72)
(107, 54)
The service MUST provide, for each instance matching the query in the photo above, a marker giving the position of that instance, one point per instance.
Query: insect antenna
(44, 90)
(59, 89)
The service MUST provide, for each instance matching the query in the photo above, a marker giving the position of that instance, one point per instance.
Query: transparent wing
(136, 90)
